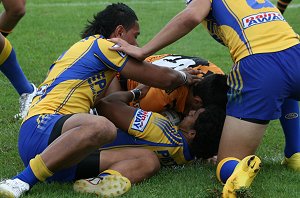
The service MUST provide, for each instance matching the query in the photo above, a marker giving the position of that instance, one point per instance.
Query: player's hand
(131, 50)
(191, 75)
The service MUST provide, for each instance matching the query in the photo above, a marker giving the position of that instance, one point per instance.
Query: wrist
(184, 77)
(184, 80)
(136, 94)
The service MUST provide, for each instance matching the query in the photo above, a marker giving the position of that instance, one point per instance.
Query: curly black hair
(208, 126)
(106, 21)
(212, 90)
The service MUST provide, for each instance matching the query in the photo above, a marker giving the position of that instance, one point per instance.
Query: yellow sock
(39, 168)
(5, 51)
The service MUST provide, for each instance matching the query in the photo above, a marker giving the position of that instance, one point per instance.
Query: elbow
(193, 21)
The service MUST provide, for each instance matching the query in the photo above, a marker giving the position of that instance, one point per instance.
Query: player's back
(249, 27)
(77, 77)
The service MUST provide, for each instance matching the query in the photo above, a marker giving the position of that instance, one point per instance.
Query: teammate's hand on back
(131, 50)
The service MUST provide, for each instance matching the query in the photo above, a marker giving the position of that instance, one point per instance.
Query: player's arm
(115, 107)
(179, 26)
(156, 76)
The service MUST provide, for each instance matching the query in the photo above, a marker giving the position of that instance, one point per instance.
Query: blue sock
(226, 167)
(27, 176)
(290, 123)
(12, 70)
(103, 174)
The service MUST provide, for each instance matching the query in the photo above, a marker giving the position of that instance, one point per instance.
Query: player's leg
(136, 164)
(119, 168)
(290, 123)
(239, 140)
(290, 109)
(10, 67)
(282, 5)
(252, 102)
(14, 10)
(80, 135)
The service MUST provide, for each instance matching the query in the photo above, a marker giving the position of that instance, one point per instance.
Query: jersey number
(258, 4)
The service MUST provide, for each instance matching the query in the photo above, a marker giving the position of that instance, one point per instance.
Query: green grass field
(50, 27)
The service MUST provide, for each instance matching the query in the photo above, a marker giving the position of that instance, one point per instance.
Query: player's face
(188, 121)
(131, 35)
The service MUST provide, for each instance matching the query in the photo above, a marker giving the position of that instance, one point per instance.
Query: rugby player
(197, 136)
(58, 133)
(262, 45)
(183, 99)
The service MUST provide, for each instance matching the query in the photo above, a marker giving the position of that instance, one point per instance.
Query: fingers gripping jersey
(249, 27)
(155, 132)
(156, 99)
(77, 77)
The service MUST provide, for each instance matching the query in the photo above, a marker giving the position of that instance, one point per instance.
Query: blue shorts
(35, 136)
(260, 83)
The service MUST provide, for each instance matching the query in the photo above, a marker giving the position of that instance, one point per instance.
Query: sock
(27, 176)
(225, 168)
(109, 172)
(290, 123)
(35, 171)
(282, 5)
(12, 70)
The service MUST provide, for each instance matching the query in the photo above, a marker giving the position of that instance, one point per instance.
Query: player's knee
(152, 163)
(101, 131)
(18, 11)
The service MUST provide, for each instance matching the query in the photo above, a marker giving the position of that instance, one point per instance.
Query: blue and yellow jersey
(77, 77)
(249, 27)
(155, 132)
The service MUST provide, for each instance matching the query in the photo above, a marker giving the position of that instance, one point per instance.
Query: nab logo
(141, 120)
(260, 18)
(290, 116)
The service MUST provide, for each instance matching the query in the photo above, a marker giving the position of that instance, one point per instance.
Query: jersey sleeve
(142, 125)
(114, 60)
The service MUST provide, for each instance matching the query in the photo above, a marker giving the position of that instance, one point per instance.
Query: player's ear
(119, 31)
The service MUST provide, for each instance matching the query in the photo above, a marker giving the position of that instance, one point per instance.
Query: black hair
(208, 126)
(106, 21)
(212, 89)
